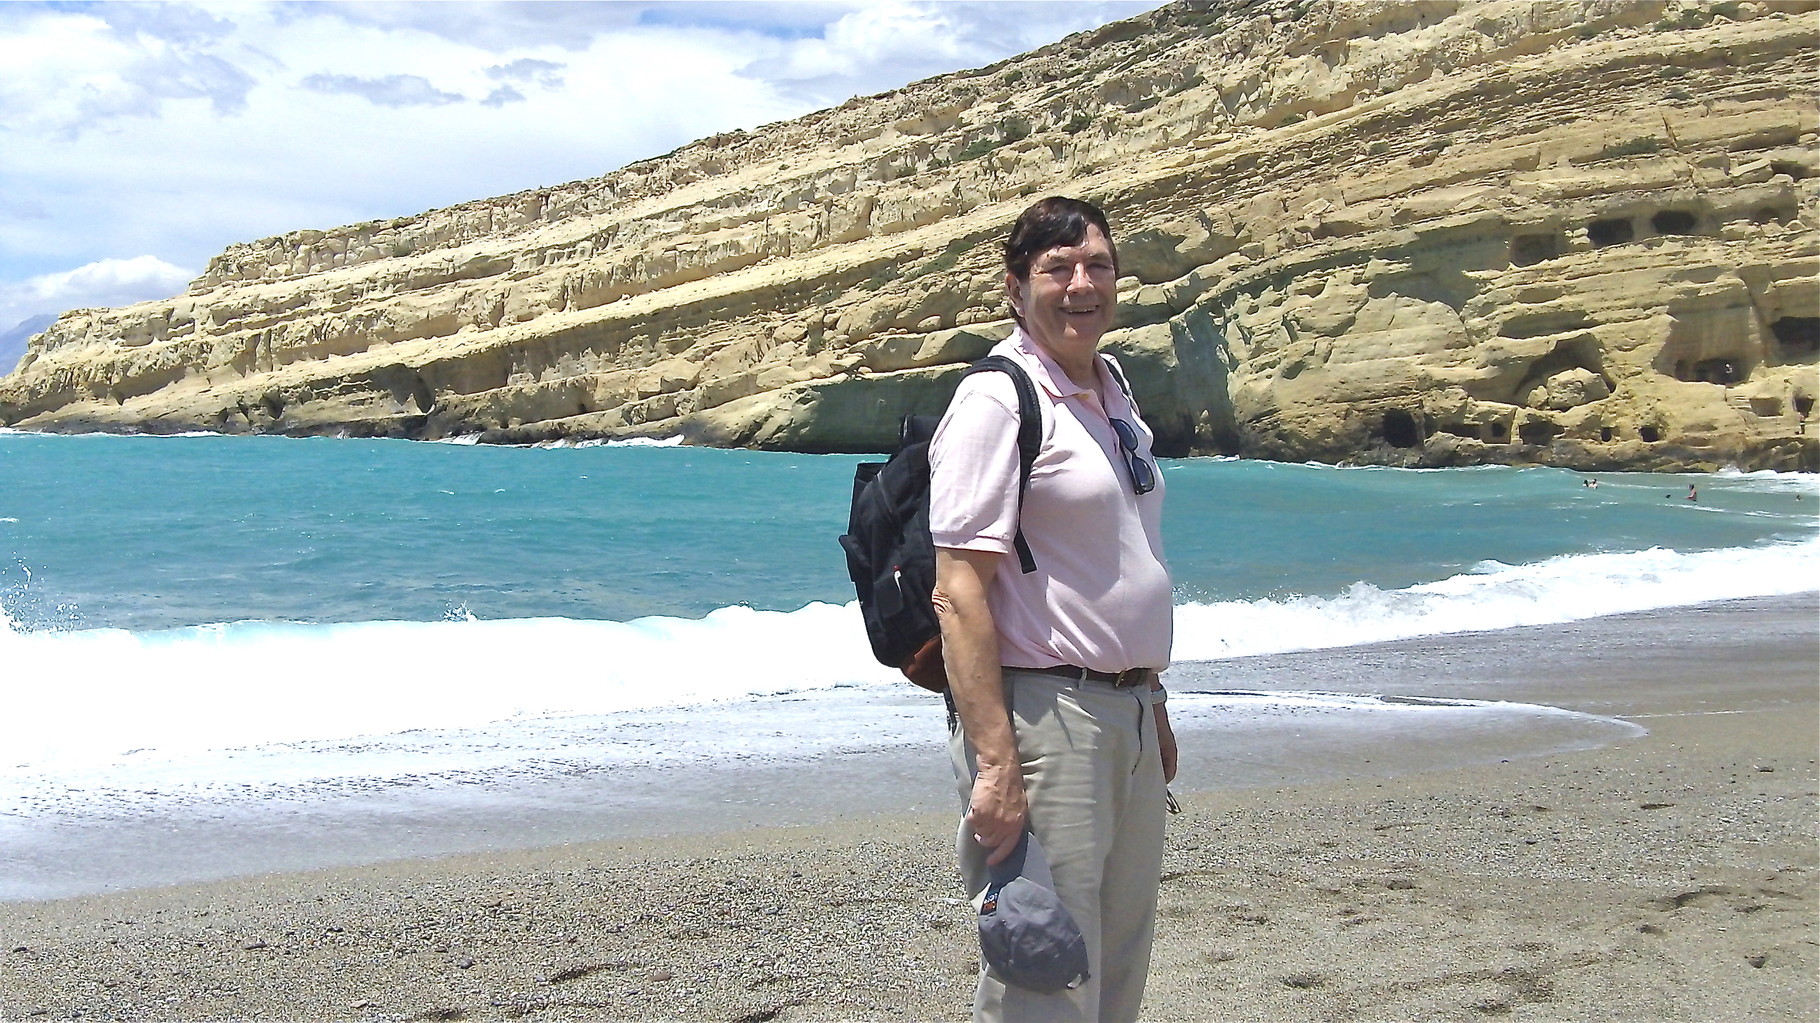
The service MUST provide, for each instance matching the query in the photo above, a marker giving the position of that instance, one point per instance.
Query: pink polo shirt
(1100, 595)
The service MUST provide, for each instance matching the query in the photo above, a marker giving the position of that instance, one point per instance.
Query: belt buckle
(1128, 678)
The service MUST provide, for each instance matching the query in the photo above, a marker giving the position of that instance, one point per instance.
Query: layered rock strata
(1574, 233)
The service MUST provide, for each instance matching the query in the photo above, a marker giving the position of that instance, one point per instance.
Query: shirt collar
(1053, 378)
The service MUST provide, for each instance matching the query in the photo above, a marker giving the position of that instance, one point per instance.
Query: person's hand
(996, 811)
(1165, 739)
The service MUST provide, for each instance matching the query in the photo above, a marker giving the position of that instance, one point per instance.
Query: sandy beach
(1666, 877)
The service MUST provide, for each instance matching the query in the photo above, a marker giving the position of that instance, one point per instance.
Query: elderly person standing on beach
(1060, 722)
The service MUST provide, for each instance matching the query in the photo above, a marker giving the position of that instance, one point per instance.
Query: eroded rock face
(1584, 234)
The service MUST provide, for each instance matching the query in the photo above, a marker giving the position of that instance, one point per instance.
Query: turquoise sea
(223, 629)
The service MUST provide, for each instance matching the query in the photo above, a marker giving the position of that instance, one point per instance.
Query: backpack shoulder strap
(1112, 366)
(1029, 437)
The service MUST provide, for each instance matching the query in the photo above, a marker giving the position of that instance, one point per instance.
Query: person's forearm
(1166, 742)
(970, 653)
(997, 807)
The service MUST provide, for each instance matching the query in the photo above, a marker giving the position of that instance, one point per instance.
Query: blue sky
(139, 139)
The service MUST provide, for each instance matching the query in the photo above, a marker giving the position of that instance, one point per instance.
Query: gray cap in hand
(1027, 936)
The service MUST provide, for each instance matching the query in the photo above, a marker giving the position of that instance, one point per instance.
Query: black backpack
(889, 553)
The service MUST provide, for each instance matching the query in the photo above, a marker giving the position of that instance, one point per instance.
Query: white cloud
(493, 26)
(878, 46)
(176, 129)
(501, 96)
(77, 71)
(895, 36)
(387, 91)
(102, 284)
(542, 72)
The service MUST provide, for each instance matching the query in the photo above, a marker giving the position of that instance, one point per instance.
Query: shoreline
(1669, 876)
(799, 760)
(1663, 458)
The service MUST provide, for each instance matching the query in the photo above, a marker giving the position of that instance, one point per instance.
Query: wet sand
(1670, 876)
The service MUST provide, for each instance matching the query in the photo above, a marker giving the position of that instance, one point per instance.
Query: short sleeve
(973, 467)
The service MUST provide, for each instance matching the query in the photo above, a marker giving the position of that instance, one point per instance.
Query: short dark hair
(1057, 220)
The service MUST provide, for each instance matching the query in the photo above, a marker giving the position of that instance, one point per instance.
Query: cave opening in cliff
(1797, 338)
(1724, 371)
(1401, 429)
(1537, 431)
(1612, 231)
(1529, 249)
(1605, 434)
(1499, 431)
(1650, 434)
(1673, 222)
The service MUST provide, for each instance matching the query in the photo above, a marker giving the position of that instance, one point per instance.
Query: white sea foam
(1764, 481)
(74, 697)
(84, 698)
(605, 442)
(470, 439)
(1495, 596)
(64, 438)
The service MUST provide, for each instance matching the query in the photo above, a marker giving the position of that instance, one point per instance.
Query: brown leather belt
(1122, 679)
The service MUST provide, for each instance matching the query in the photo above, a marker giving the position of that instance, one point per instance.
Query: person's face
(1071, 294)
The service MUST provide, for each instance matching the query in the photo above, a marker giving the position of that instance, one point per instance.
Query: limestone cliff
(1575, 233)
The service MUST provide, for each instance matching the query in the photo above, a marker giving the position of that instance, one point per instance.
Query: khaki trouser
(1094, 777)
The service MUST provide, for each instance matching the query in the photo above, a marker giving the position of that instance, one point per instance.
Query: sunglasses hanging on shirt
(1143, 474)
